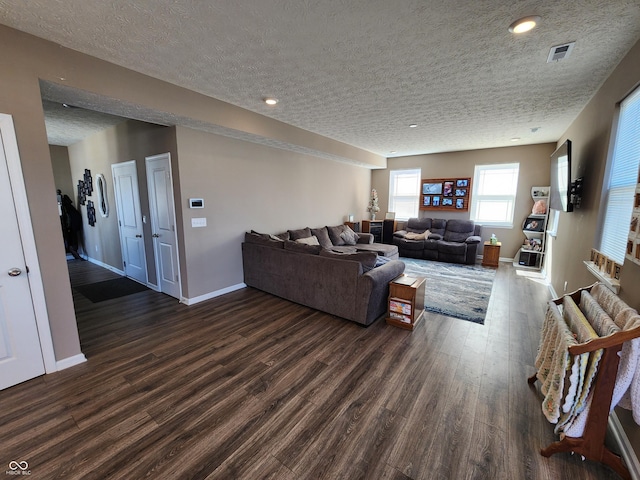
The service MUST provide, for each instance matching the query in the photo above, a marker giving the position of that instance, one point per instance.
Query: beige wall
(61, 169)
(578, 231)
(26, 60)
(250, 187)
(534, 163)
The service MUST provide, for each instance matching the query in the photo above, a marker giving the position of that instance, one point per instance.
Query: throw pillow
(313, 240)
(334, 235)
(300, 233)
(302, 247)
(323, 236)
(348, 236)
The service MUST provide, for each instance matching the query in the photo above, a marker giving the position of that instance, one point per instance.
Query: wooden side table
(406, 301)
(491, 254)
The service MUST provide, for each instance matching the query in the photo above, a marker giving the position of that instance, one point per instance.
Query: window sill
(611, 283)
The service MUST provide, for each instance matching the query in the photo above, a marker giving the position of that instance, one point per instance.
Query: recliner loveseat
(454, 241)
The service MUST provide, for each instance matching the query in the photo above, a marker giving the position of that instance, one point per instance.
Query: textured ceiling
(360, 71)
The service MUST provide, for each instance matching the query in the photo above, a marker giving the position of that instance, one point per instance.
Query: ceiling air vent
(560, 52)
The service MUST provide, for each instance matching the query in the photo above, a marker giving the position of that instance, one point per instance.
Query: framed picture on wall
(461, 192)
(435, 201)
(426, 201)
(448, 189)
(462, 183)
(459, 203)
(432, 188)
(447, 202)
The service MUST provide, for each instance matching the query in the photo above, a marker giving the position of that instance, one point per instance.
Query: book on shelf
(400, 307)
(400, 317)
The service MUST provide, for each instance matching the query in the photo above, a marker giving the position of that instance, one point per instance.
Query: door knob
(155, 235)
(14, 272)
(138, 236)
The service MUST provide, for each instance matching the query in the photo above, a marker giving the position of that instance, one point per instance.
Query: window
(494, 194)
(622, 180)
(404, 193)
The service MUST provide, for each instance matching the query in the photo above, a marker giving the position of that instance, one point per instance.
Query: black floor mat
(109, 289)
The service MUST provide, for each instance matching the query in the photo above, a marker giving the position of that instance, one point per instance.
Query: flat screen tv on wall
(560, 195)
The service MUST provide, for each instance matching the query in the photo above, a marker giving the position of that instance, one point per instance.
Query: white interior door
(163, 223)
(125, 184)
(20, 351)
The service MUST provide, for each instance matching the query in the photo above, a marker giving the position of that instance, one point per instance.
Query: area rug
(459, 291)
(110, 289)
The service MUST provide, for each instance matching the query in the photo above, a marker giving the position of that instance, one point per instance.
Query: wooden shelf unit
(406, 302)
(491, 254)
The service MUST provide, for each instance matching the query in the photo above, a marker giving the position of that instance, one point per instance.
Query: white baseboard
(70, 361)
(626, 449)
(208, 296)
(104, 265)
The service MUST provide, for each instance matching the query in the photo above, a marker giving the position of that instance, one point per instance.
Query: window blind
(404, 193)
(623, 178)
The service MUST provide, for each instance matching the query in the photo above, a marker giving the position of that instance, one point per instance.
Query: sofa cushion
(400, 233)
(408, 244)
(383, 249)
(438, 226)
(334, 235)
(458, 230)
(418, 225)
(302, 247)
(263, 239)
(348, 236)
(366, 259)
(454, 248)
(323, 236)
(300, 233)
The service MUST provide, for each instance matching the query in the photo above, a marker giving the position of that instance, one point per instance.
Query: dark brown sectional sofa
(350, 281)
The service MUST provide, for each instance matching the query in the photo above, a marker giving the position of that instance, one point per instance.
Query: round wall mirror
(101, 188)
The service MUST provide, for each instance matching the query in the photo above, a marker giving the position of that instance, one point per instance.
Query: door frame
(27, 237)
(175, 227)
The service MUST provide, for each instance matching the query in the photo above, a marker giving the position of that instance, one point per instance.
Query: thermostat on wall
(196, 203)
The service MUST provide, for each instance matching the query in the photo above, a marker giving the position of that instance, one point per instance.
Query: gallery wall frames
(445, 194)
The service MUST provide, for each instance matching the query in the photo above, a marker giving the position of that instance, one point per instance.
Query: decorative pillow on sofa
(323, 236)
(417, 236)
(334, 235)
(366, 259)
(300, 233)
(312, 240)
(348, 236)
(302, 247)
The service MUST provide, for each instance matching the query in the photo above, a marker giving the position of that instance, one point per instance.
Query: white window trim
(476, 198)
(414, 198)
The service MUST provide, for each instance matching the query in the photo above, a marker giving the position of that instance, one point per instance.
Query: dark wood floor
(251, 386)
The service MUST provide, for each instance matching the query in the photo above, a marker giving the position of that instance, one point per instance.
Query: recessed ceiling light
(524, 24)
(515, 139)
(413, 125)
(270, 101)
(392, 152)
